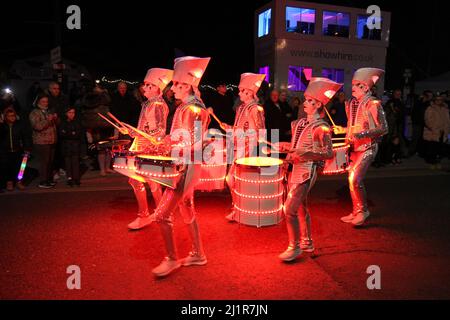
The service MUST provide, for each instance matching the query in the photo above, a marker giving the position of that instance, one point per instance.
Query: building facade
(295, 41)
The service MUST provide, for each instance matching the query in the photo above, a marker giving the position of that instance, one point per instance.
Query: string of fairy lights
(104, 79)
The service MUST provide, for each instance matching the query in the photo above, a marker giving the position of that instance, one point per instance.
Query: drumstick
(115, 119)
(110, 122)
(142, 133)
(328, 114)
(217, 119)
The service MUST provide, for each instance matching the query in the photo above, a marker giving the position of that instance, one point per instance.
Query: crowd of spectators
(66, 136)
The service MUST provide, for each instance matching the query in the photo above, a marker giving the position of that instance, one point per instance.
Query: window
(265, 70)
(363, 32)
(336, 75)
(264, 23)
(300, 20)
(336, 24)
(298, 78)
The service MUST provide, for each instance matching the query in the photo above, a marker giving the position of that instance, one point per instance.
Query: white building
(297, 40)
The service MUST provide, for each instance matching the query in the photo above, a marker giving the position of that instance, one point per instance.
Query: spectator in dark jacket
(222, 103)
(418, 122)
(124, 105)
(394, 109)
(71, 134)
(172, 103)
(287, 114)
(13, 143)
(57, 103)
(98, 129)
(275, 118)
(337, 110)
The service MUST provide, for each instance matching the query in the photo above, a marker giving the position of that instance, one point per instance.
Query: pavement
(45, 231)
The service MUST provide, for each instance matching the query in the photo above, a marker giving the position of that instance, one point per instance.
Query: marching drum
(159, 169)
(340, 161)
(259, 191)
(124, 163)
(214, 168)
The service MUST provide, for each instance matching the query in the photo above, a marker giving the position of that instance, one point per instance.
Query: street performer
(311, 143)
(152, 120)
(190, 122)
(248, 122)
(366, 125)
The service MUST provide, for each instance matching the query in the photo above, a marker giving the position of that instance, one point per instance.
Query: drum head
(259, 162)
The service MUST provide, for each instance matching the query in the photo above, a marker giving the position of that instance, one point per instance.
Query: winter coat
(437, 123)
(71, 134)
(44, 130)
(14, 138)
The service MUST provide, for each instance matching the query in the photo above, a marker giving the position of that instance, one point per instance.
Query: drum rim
(144, 157)
(280, 162)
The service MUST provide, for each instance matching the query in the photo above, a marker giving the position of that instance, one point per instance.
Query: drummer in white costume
(248, 122)
(152, 120)
(366, 125)
(311, 143)
(192, 118)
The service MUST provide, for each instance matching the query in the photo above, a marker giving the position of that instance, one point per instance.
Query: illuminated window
(265, 70)
(363, 32)
(300, 20)
(264, 23)
(298, 78)
(336, 24)
(336, 75)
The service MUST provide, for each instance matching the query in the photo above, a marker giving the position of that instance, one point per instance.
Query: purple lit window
(265, 70)
(336, 24)
(363, 32)
(298, 78)
(336, 75)
(300, 20)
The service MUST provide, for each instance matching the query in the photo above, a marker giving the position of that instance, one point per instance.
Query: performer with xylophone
(248, 122)
(190, 123)
(366, 125)
(311, 144)
(152, 120)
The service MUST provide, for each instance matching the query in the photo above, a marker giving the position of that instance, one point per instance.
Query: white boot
(196, 256)
(290, 254)
(360, 218)
(231, 216)
(165, 267)
(141, 222)
(194, 260)
(349, 218)
(307, 245)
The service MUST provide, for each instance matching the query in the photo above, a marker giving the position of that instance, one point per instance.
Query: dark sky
(125, 38)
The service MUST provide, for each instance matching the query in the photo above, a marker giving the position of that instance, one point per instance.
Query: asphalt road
(407, 237)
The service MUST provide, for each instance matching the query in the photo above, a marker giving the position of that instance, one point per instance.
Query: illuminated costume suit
(248, 121)
(366, 125)
(311, 139)
(190, 117)
(152, 120)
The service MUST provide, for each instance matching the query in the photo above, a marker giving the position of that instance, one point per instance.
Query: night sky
(125, 38)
